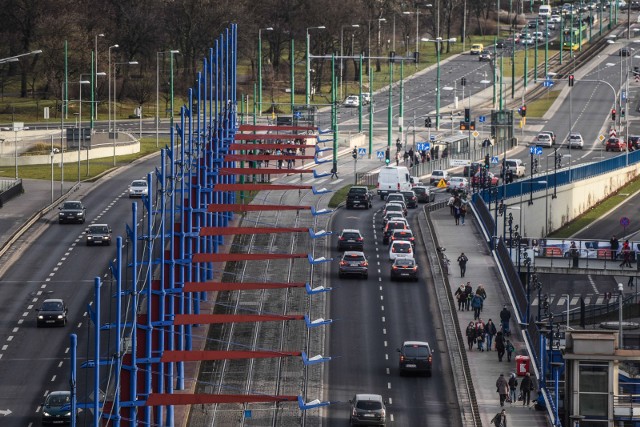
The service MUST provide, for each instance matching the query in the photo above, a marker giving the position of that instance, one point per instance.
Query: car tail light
(341, 238)
(359, 239)
(415, 268)
(343, 263)
(429, 359)
(393, 249)
(401, 358)
(364, 264)
(354, 412)
(394, 267)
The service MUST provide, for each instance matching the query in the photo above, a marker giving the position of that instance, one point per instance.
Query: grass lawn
(540, 106)
(519, 63)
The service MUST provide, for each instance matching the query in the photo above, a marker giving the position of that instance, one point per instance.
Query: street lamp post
(80, 82)
(115, 104)
(417, 13)
(80, 133)
(308, 64)
(94, 108)
(342, 51)
(438, 41)
(620, 339)
(115, 46)
(369, 39)
(260, 66)
(171, 52)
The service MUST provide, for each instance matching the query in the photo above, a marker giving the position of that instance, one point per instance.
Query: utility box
(523, 363)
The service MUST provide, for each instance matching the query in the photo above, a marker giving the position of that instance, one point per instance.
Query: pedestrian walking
(480, 334)
(483, 293)
(513, 388)
(463, 213)
(468, 290)
(502, 387)
(476, 304)
(615, 244)
(526, 386)
(490, 332)
(510, 349)
(626, 254)
(630, 282)
(500, 420)
(575, 254)
(452, 199)
(334, 171)
(462, 262)
(471, 335)
(505, 317)
(461, 297)
(500, 347)
(456, 214)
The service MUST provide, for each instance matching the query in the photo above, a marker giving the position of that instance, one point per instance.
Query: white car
(543, 140)
(351, 101)
(516, 167)
(555, 19)
(366, 98)
(138, 188)
(574, 140)
(457, 183)
(400, 248)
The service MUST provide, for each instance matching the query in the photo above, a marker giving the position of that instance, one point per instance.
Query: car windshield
(72, 205)
(419, 190)
(98, 229)
(354, 257)
(368, 405)
(402, 235)
(52, 306)
(395, 225)
(405, 262)
(394, 208)
(575, 137)
(139, 184)
(402, 247)
(416, 351)
(350, 235)
(58, 400)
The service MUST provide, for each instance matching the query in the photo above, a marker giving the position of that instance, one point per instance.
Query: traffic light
(524, 111)
(463, 125)
(613, 114)
(472, 125)
(392, 56)
(571, 80)
(463, 81)
(467, 115)
(416, 57)
(622, 113)
(486, 160)
(354, 153)
(387, 156)
(427, 122)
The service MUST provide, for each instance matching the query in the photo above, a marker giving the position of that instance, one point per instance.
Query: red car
(615, 144)
(484, 179)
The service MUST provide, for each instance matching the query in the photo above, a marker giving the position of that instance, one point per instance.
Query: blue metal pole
(116, 398)
(161, 278)
(96, 352)
(133, 414)
(149, 326)
(73, 360)
(184, 187)
(171, 270)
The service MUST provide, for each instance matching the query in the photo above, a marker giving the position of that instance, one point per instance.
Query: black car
(350, 240)
(410, 199)
(485, 55)
(353, 263)
(52, 312)
(392, 225)
(56, 408)
(500, 44)
(367, 410)
(358, 197)
(415, 356)
(423, 194)
(98, 234)
(633, 142)
(403, 235)
(404, 268)
(625, 51)
(72, 211)
(471, 169)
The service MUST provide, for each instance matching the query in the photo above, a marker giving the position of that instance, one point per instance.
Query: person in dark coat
(615, 244)
(505, 317)
(500, 420)
(500, 345)
(526, 386)
(471, 335)
(468, 290)
(502, 387)
(490, 332)
(462, 262)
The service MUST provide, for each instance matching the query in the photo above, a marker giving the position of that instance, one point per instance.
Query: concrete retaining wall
(71, 156)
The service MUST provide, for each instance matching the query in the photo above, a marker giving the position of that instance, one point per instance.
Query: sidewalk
(484, 366)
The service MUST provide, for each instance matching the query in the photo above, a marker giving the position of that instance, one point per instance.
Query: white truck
(392, 179)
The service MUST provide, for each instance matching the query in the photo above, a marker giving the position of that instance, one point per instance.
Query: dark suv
(358, 197)
(98, 234)
(351, 240)
(415, 356)
(410, 199)
(72, 211)
(52, 312)
(424, 194)
(367, 410)
(353, 263)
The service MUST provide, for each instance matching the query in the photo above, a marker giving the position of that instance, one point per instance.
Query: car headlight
(67, 414)
(89, 237)
(40, 316)
(60, 316)
(46, 414)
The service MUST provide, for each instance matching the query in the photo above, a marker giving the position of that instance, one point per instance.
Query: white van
(392, 179)
(544, 11)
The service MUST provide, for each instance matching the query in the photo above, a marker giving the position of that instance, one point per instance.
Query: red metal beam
(195, 319)
(281, 136)
(239, 157)
(258, 187)
(166, 399)
(258, 171)
(242, 257)
(249, 127)
(236, 286)
(194, 356)
(226, 231)
(228, 207)
(264, 146)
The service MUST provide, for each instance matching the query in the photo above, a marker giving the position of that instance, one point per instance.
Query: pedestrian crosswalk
(574, 301)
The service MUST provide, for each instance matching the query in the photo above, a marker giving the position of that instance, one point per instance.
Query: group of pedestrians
(458, 205)
(507, 389)
(466, 298)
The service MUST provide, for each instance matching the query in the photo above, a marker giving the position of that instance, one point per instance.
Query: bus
(572, 38)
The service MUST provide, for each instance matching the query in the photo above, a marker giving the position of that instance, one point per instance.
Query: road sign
(423, 146)
(442, 183)
(601, 138)
(459, 162)
(624, 221)
(432, 138)
(475, 134)
(362, 152)
(482, 119)
(297, 115)
(547, 83)
(380, 154)
(623, 95)
(535, 150)
(494, 160)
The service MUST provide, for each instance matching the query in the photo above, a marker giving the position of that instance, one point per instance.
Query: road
(380, 315)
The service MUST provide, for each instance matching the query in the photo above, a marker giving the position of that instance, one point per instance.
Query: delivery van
(392, 179)
(544, 11)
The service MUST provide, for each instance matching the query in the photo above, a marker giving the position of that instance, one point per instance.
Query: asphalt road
(381, 315)
(52, 261)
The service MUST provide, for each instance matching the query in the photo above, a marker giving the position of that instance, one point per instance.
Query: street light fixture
(94, 109)
(171, 52)
(438, 41)
(260, 66)
(308, 61)
(115, 46)
(15, 57)
(620, 338)
(115, 104)
(342, 52)
(417, 13)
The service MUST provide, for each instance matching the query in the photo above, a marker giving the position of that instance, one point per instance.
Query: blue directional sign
(482, 119)
(362, 152)
(623, 95)
(432, 138)
(380, 154)
(297, 115)
(494, 160)
(423, 146)
(535, 150)
(547, 83)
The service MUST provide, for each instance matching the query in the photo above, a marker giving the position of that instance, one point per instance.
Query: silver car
(574, 140)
